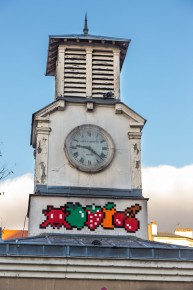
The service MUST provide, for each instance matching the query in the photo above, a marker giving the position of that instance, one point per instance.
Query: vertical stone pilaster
(89, 72)
(60, 73)
(116, 54)
(135, 158)
(41, 152)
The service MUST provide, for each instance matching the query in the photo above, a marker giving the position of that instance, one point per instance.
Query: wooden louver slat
(75, 72)
(102, 72)
(86, 75)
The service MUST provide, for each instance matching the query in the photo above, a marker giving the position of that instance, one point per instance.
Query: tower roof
(56, 40)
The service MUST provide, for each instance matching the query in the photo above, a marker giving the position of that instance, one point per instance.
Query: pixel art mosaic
(74, 215)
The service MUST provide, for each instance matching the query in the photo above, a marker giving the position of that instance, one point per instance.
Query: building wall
(183, 241)
(61, 173)
(181, 237)
(58, 284)
(95, 269)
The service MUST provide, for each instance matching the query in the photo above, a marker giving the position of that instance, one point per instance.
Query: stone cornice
(96, 269)
(134, 135)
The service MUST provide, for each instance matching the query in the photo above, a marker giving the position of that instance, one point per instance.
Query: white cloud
(14, 202)
(169, 189)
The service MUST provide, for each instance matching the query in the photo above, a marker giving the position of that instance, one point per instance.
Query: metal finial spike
(85, 30)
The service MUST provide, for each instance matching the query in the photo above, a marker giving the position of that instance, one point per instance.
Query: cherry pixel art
(75, 216)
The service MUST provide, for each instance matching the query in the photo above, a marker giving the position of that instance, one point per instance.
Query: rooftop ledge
(99, 247)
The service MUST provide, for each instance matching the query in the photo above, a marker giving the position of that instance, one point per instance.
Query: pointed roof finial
(85, 30)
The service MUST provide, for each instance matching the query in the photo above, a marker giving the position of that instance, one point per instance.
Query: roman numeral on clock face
(104, 148)
(73, 147)
(81, 160)
(75, 154)
(103, 155)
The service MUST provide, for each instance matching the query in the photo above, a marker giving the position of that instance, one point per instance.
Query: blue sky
(156, 80)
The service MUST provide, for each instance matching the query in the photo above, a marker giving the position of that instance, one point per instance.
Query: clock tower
(87, 144)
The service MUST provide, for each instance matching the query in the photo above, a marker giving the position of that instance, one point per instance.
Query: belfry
(87, 144)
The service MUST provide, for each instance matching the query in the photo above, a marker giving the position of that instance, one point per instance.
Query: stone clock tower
(87, 216)
(87, 144)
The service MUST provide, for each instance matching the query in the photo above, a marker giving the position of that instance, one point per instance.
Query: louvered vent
(75, 72)
(102, 72)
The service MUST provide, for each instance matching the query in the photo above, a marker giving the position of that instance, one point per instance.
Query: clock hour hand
(84, 147)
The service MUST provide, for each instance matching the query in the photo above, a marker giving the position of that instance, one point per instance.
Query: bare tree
(4, 169)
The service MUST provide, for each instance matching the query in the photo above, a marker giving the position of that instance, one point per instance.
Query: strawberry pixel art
(75, 216)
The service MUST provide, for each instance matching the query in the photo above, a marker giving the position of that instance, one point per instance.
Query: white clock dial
(89, 148)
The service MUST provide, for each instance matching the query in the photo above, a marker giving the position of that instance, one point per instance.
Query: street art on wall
(74, 215)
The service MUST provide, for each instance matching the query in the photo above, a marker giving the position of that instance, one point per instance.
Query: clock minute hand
(93, 151)
(89, 148)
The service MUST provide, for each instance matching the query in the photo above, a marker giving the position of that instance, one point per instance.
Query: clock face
(89, 148)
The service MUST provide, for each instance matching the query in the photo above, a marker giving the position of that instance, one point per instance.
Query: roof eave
(54, 42)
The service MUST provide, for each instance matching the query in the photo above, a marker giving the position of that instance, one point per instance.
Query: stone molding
(96, 269)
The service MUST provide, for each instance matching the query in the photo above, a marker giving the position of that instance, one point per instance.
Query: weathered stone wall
(52, 166)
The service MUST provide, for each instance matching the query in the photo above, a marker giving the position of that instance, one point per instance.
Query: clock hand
(84, 147)
(89, 148)
(93, 151)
